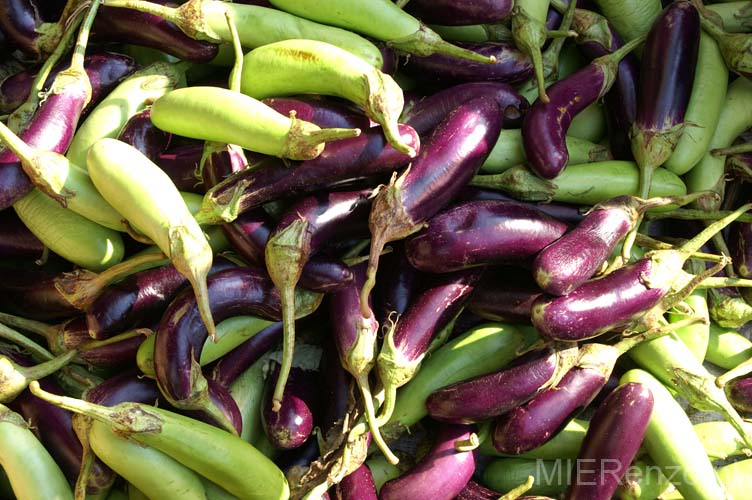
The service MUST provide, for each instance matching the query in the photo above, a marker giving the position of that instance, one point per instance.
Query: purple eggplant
(496, 393)
(545, 125)
(141, 133)
(739, 393)
(397, 284)
(407, 342)
(451, 13)
(219, 161)
(456, 149)
(320, 111)
(342, 161)
(23, 27)
(291, 425)
(139, 28)
(666, 75)
(612, 441)
(181, 163)
(227, 368)
(483, 232)
(16, 241)
(126, 386)
(426, 113)
(564, 212)
(441, 474)
(336, 387)
(505, 294)
(31, 293)
(181, 334)
(302, 231)
(358, 485)
(511, 66)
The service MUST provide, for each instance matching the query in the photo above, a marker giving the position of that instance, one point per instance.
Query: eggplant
(739, 393)
(450, 13)
(181, 163)
(16, 241)
(505, 294)
(358, 485)
(735, 47)
(230, 366)
(397, 284)
(336, 387)
(141, 133)
(291, 425)
(320, 111)
(31, 293)
(24, 28)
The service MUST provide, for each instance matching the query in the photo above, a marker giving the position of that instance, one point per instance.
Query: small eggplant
(141, 133)
(181, 163)
(291, 425)
(739, 393)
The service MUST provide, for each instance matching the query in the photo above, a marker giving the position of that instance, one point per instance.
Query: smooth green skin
(248, 392)
(508, 152)
(645, 480)
(380, 19)
(565, 444)
(537, 9)
(735, 15)
(696, 337)
(136, 494)
(736, 117)
(738, 478)
(116, 494)
(481, 350)
(73, 237)
(151, 471)
(382, 471)
(32, 472)
(551, 476)
(630, 18)
(727, 348)
(720, 439)
(214, 492)
(704, 108)
(474, 33)
(589, 124)
(127, 99)
(671, 442)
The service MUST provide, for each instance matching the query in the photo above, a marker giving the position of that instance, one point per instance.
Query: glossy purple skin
(302, 456)
(574, 258)
(452, 155)
(138, 298)
(31, 293)
(219, 164)
(126, 386)
(493, 394)
(335, 392)
(181, 333)
(564, 212)
(739, 393)
(16, 241)
(291, 426)
(221, 398)
(482, 232)
(453, 13)
(19, 20)
(545, 126)
(475, 491)
(441, 474)
(344, 312)
(428, 112)
(505, 294)
(397, 283)
(531, 425)
(139, 28)
(119, 354)
(612, 441)
(511, 66)
(322, 112)
(599, 305)
(141, 133)
(105, 71)
(668, 67)
(358, 485)
(438, 303)
(225, 370)
(51, 129)
(181, 164)
(357, 158)
(52, 425)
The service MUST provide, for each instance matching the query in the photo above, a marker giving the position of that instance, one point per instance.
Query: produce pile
(364, 249)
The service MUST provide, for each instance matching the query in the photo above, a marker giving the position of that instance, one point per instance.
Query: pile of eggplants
(369, 249)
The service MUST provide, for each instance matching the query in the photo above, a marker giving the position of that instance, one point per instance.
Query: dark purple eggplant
(138, 298)
(16, 241)
(139, 28)
(322, 112)
(227, 368)
(31, 293)
(342, 161)
(442, 473)
(575, 257)
(129, 386)
(456, 149)
(511, 66)
(611, 443)
(181, 333)
(496, 393)
(358, 485)
(301, 232)
(545, 125)
(397, 284)
(407, 342)
(292, 424)
(141, 133)
(483, 232)
(505, 294)
(475, 491)
(451, 13)
(24, 29)
(428, 112)
(666, 75)
(336, 387)
(564, 212)
(224, 412)
(739, 393)
(181, 163)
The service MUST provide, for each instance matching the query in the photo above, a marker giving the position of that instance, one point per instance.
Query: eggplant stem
(692, 214)
(365, 390)
(97, 412)
(733, 150)
(81, 425)
(706, 234)
(386, 410)
(655, 332)
(520, 490)
(48, 367)
(469, 444)
(740, 370)
(724, 281)
(25, 342)
(561, 33)
(96, 344)
(37, 327)
(77, 61)
(661, 201)
(288, 345)
(166, 13)
(237, 68)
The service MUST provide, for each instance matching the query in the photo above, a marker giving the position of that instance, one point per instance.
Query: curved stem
(520, 490)
(288, 345)
(469, 444)
(49, 332)
(48, 367)
(387, 408)
(77, 61)
(371, 417)
(237, 68)
(23, 341)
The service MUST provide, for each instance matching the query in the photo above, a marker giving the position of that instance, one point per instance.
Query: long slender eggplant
(291, 425)
(141, 133)
(181, 335)
(546, 123)
(505, 293)
(612, 441)
(428, 112)
(342, 161)
(139, 28)
(666, 75)
(406, 343)
(442, 473)
(16, 241)
(482, 232)
(336, 382)
(32, 293)
(397, 284)
(229, 367)
(320, 111)
(455, 151)
(304, 229)
(451, 13)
